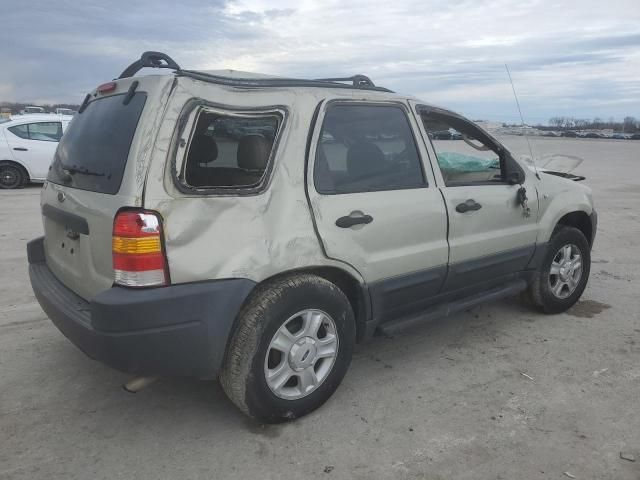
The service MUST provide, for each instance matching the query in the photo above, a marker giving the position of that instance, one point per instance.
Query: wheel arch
(580, 220)
(355, 290)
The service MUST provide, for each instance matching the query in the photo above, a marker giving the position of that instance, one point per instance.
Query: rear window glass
(92, 153)
(228, 151)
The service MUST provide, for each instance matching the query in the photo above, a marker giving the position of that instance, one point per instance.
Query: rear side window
(93, 152)
(21, 131)
(229, 151)
(366, 148)
(43, 131)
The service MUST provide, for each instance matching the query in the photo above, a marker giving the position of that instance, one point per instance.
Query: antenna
(524, 130)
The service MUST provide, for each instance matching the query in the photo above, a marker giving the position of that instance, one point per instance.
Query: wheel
(291, 348)
(11, 176)
(564, 272)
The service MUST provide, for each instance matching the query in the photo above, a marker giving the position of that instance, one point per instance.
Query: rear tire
(11, 176)
(291, 348)
(562, 277)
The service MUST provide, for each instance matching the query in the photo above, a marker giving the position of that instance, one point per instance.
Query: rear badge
(61, 196)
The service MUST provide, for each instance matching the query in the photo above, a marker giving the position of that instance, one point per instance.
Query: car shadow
(190, 402)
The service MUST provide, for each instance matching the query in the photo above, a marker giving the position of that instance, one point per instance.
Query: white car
(27, 146)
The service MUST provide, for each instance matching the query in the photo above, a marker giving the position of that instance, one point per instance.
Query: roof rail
(356, 80)
(281, 82)
(162, 60)
(150, 59)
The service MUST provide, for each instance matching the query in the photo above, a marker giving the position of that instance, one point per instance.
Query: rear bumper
(179, 330)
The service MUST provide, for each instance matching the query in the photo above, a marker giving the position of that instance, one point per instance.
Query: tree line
(628, 124)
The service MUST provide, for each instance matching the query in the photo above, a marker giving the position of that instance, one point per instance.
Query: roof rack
(150, 59)
(356, 80)
(162, 60)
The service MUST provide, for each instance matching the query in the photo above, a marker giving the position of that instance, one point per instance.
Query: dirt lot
(496, 392)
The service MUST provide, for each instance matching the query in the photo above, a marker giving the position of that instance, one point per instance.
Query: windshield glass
(94, 149)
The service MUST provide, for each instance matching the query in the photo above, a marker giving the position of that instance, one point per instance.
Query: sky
(569, 58)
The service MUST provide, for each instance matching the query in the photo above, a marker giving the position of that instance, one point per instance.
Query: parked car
(65, 111)
(443, 135)
(592, 135)
(635, 136)
(569, 134)
(32, 109)
(27, 145)
(169, 250)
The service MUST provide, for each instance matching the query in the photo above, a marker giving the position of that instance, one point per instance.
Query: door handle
(468, 206)
(354, 218)
(21, 149)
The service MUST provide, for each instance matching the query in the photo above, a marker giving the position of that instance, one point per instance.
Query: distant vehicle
(619, 136)
(635, 136)
(32, 109)
(27, 145)
(550, 134)
(456, 136)
(65, 111)
(592, 135)
(569, 134)
(444, 135)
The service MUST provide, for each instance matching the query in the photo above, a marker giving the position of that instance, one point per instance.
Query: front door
(492, 232)
(374, 206)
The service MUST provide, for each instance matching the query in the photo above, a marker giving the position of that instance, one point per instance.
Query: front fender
(558, 197)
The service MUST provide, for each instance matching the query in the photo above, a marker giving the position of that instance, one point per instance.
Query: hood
(556, 164)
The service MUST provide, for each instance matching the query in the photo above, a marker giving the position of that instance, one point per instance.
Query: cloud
(566, 57)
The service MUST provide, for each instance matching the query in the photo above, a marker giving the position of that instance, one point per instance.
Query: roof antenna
(524, 130)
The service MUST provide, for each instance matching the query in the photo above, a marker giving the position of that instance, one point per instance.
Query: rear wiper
(82, 170)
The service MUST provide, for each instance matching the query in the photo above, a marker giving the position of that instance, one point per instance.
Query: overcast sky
(578, 58)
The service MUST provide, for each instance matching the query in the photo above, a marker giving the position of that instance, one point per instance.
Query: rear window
(93, 151)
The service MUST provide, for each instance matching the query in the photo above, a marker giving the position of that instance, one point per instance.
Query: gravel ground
(498, 392)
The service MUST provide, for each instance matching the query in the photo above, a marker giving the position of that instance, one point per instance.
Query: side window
(364, 148)
(45, 131)
(466, 155)
(228, 151)
(21, 131)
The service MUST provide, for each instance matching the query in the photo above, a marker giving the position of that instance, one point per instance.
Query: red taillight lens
(138, 256)
(107, 87)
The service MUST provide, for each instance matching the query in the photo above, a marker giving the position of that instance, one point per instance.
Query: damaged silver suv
(252, 228)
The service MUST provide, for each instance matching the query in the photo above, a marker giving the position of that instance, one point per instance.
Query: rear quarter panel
(238, 236)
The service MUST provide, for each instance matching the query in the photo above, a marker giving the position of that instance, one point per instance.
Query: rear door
(33, 145)
(97, 169)
(374, 203)
(491, 234)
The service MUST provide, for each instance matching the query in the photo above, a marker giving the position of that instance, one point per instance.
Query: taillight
(138, 255)
(107, 87)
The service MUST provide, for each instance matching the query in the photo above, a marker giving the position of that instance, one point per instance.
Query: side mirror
(515, 178)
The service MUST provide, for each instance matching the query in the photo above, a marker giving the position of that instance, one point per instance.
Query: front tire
(291, 348)
(562, 277)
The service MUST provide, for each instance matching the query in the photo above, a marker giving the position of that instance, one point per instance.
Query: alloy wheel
(301, 354)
